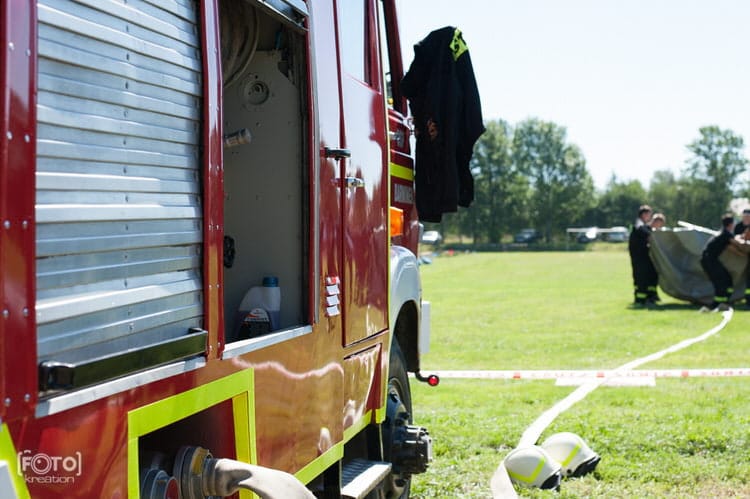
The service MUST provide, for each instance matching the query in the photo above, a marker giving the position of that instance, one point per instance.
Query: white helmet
(575, 457)
(531, 466)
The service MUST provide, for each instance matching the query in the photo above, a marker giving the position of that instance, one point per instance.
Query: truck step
(360, 476)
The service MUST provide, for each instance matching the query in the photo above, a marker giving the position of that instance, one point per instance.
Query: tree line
(530, 175)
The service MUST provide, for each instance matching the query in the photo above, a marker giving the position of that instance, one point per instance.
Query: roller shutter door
(118, 203)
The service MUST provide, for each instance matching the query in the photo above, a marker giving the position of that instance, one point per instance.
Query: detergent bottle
(260, 308)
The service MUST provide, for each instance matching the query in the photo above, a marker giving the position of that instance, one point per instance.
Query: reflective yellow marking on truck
(402, 172)
(151, 417)
(8, 454)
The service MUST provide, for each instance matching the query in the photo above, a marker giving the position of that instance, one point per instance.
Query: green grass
(683, 438)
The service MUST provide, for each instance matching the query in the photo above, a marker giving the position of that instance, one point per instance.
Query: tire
(398, 408)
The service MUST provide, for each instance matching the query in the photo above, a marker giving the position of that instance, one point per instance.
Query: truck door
(364, 187)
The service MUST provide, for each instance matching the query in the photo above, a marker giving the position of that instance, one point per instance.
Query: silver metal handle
(337, 153)
(241, 136)
(355, 182)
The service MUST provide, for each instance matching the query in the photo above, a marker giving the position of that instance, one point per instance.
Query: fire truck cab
(159, 162)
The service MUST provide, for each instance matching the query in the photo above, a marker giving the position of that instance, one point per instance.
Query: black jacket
(444, 103)
(739, 228)
(638, 241)
(717, 244)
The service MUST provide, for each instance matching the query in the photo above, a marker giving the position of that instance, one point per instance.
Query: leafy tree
(500, 189)
(619, 203)
(462, 223)
(696, 202)
(664, 195)
(561, 186)
(711, 174)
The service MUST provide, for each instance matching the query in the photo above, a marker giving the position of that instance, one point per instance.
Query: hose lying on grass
(500, 483)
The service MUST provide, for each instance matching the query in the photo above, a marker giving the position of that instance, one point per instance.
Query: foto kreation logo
(43, 468)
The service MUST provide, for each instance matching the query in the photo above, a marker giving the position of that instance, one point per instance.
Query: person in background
(658, 221)
(739, 229)
(717, 273)
(644, 272)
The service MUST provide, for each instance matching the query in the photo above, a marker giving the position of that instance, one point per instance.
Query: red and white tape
(607, 373)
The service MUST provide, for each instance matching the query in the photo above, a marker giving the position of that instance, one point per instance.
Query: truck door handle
(337, 153)
(355, 182)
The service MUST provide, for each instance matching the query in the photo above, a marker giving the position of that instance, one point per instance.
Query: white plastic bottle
(266, 297)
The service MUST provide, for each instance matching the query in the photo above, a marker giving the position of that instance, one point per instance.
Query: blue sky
(631, 80)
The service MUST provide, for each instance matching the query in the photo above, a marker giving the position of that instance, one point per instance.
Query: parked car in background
(617, 235)
(527, 236)
(431, 237)
(588, 236)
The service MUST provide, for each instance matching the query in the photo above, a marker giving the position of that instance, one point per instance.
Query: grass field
(684, 438)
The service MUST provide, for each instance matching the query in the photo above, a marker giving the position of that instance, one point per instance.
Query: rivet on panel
(9, 135)
(27, 397)
(25, 312)
(11, 45)
(26, 138)
(7, 402)
(25, 224)
(6, 224)
(6, 313)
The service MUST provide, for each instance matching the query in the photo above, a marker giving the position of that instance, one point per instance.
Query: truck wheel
(398, 414)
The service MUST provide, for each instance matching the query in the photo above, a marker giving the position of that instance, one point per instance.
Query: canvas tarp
(676, 255)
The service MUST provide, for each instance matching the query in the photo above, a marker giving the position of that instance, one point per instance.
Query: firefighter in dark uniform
(644, 272)
(717, 273)
(740, 229)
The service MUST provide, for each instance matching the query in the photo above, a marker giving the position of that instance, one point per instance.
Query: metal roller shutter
(118, 204)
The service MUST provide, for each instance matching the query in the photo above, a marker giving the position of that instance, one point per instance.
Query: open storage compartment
(266, 180)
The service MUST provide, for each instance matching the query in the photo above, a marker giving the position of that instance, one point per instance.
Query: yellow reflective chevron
(458, 45)
(572, 454)
(531, 477)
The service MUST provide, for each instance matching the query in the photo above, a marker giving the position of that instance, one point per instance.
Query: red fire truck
(158, 160)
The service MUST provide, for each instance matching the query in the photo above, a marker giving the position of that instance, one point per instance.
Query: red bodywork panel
(213, 178)
(308, 390)
(18, 378)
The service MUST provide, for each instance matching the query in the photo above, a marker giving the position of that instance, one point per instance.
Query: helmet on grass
(575, 457)
(531, 466)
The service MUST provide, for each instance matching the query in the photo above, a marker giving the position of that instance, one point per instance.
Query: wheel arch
(405, 304)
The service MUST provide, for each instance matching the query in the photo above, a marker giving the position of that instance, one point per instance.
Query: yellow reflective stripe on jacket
(458, 45)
